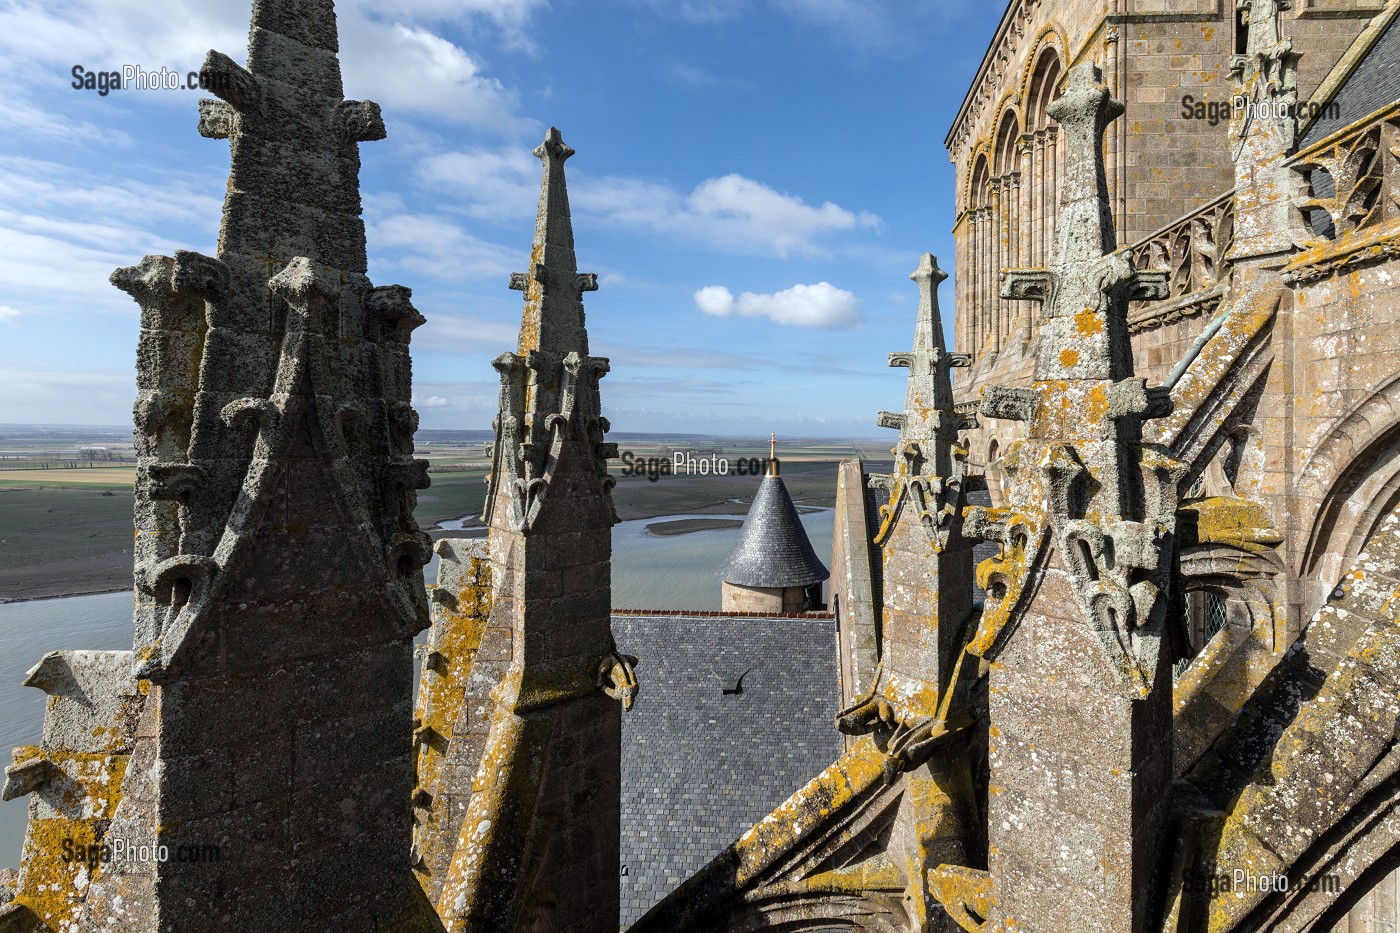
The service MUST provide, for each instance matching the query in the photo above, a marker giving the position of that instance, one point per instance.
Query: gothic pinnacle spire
(1089, 283)
(928, 332)
(928, 426)
(549, 386)
(1085, 110)
(553, 320)
(930, 385)
(293, 185)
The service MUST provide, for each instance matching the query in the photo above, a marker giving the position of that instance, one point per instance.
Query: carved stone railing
(1192, 251)
(1354, 180)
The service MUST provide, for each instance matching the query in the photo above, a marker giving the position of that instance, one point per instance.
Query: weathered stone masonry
(278, 568)
(538, 842)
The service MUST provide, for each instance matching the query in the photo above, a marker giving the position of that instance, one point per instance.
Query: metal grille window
(1215, 616)
(1205, 615)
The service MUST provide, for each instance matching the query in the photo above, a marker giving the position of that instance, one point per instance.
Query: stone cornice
(988, 78)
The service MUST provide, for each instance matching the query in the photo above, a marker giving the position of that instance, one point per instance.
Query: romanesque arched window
(1043, 143)
(979, 204)
(1006, 196)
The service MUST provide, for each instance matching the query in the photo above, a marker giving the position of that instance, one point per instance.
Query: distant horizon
(36, 427)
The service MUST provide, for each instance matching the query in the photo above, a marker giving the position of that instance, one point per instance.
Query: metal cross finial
(773, 454)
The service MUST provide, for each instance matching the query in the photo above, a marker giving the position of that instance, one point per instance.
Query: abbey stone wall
(1159, 165)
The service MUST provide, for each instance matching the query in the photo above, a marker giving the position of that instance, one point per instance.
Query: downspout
(1211, 330)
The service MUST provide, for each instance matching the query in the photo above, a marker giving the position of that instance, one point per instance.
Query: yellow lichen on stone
(1229, 520)
(1088, 323)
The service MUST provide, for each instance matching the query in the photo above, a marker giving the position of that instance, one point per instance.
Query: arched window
(1045, 162)
(1043, 89)
(1006, 160)
(975, 310)
(977, 192)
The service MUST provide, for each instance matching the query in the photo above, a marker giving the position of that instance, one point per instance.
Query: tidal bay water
(649, 572)
(28, 631)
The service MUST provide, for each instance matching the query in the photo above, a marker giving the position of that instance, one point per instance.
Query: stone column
(998, 238)
(984, 264)
(1052, 190)
(1025, 144)
(1045, 204)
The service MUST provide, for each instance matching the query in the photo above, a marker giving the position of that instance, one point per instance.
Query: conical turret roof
(773, 549)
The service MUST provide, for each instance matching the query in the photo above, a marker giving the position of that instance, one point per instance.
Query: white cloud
(23, 120)
(497, 184)
(8, 314)
(735, 205)
(822, 305)
(64, 229)
(436, 246)
(863, 20)
(431, 401)
(39, 396)
(464, 404)
(731, 212)
(450, 332)
(677, 358)
(872, 24)
(702, 11)
(511, 17)
(393, 53)
(410, 69)
(40, 42)
(697, 78)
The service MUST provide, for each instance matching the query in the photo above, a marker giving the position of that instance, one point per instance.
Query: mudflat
(68, 532)
(686, 525)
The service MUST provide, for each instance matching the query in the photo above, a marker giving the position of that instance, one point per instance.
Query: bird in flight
(738, 685)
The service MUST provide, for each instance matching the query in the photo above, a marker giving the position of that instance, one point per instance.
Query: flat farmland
(84, 477)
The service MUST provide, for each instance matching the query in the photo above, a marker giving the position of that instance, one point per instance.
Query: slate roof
(1374, 84)
(773, 550)
(699, 767)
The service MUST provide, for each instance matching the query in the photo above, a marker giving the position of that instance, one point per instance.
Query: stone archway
(1352, 480)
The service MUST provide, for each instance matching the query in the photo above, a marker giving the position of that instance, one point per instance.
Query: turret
(772, 568)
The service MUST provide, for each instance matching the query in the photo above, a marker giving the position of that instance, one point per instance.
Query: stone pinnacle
(553, 320)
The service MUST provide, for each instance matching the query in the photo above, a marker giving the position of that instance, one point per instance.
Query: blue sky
(754, 183)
